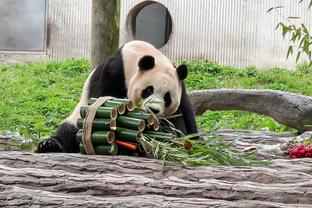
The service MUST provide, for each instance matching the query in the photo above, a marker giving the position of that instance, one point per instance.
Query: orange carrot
(126, 144)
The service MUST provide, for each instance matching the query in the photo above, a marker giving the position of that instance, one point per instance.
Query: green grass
(36, 97)
(208, 75)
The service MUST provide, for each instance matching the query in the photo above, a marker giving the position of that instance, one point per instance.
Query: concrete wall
(237, 33)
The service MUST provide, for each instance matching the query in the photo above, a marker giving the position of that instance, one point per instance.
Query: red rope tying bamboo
(87, 124)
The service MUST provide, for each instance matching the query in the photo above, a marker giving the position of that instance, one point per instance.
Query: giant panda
(137, 71)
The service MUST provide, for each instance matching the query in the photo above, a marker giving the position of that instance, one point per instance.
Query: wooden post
(104, 31)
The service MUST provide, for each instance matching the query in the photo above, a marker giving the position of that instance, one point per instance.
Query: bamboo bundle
(119, 128)
(119, 125)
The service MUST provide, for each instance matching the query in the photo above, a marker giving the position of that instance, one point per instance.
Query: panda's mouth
(155, 105)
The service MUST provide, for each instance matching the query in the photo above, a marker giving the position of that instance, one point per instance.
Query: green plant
(300, 36)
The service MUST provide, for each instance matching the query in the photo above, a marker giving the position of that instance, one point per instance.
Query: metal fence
(231, 32)
(238, 33)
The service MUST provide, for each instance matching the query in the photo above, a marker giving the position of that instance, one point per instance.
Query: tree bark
(290, 109)
(75, 180)
(105, 30)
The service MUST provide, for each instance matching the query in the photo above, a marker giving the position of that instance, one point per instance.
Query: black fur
(64, 140)
(182, 71)
(108, 79)
(185, 123)
(147, 62)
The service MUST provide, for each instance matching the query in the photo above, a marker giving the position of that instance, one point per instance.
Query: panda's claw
(49, 145)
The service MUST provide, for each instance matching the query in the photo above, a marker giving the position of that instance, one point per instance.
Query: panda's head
(158, 84)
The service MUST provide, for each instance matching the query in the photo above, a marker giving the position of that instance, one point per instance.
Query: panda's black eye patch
(147, 92)
(167, 99)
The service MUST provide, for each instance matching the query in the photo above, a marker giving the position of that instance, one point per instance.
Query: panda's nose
(155, 111)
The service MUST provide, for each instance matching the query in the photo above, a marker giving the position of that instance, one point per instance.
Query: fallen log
(290, 109)
(75, 180)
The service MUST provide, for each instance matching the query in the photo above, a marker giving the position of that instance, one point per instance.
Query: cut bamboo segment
(111, 149)
(121, 107)
(159, 135)
(99, 124)
(101, 112)
(132, 123)
(156, 125)
(98, 137)
(129, 103)
(141, 115)
(127, 135)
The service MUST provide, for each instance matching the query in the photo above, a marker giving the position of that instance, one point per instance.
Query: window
(22, 25)
(151, 22)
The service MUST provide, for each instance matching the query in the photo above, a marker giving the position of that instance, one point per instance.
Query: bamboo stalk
(111, 149)
(156, 124)
(159, 135)
(99, 124)
(141, 115)
(127, 135)
(101, 112)
(132, 123)
(129, 103)
(121, 107)
(98, 137)
(126, 145)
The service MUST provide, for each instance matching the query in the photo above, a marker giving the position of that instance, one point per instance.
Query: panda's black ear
(147, 62)
(182, 71)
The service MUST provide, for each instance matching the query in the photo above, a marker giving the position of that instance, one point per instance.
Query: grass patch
(36, 97)
(209, 75)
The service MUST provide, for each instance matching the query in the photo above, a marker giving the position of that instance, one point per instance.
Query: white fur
(133, 51)
(72, 119)
(163, 77)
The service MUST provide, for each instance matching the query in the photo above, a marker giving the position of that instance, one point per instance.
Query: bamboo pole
(98, 137)
(101, 112)
(111, 149)
(99, 124)
(129, 103)
(132, 123)
(141, 115)
(121, 107)
(126, 135)
(159, 135)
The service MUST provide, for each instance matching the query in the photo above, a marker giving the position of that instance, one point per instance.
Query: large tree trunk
(290, 109)
(105, 30)
(74, 180)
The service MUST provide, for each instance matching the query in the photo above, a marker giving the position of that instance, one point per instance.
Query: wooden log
(22, 197)
(285, 183)
(290, 109)
(75, 180)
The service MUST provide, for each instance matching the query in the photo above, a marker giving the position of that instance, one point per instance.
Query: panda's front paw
(49, 145)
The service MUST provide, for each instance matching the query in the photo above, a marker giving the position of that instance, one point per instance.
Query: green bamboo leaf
(290, 51)
(298, 56)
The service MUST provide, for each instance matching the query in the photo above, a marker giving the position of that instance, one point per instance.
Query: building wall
(238, 33)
